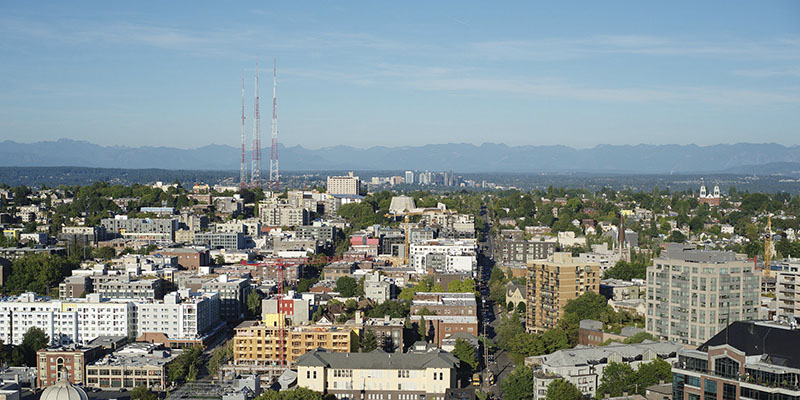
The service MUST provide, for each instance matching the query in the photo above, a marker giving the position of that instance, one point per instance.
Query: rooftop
(600, 355)
(377, 360)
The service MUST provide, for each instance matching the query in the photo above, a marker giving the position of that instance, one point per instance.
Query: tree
(676, 237)
(106, 253)
(38, 273)
(298, 393)
(185, 366)
(521, 308)
(617, 378)
(466, 353)
(422, 328)
(33, 340)
(368, 342)
(142, 393)
(220, 355)
(651, 373)
(560, 389)
(346, 286)
(519, 384)
(254, 303)
(219, 259)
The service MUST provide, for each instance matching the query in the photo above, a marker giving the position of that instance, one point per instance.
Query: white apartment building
(693, 294)
(348, 185)
(181, 315)
(409, 177)
(459, 254)
(64, 322)
(787, 293)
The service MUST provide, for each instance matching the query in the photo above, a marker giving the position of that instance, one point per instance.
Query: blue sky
(403, 74)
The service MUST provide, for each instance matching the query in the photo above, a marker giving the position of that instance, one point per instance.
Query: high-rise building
(409, 178)
(347, 185)
(693, 294)
(787, 292)
(552, 283)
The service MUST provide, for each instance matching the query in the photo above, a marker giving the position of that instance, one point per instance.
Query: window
(726, 367)
(728, 392)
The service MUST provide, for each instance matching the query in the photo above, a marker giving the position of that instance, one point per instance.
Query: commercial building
(693, 294)
(347, 185)
(554, 282)
(137, 364)
(258, 345)
(583, 367)
(746, 360)
(317, 232)
(378, 374)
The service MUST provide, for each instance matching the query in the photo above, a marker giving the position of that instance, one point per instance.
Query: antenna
(256, 168)
(274, 177)
(243, 171)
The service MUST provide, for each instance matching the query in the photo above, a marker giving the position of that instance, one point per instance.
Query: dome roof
(63, 390)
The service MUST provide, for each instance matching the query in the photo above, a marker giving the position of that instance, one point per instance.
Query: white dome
(63, 390)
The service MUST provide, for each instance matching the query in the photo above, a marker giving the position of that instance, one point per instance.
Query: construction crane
(406, 214)
(767, 247)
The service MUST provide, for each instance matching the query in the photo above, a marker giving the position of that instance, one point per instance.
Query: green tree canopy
(369, 341)
(346, 286)
(560, 389)
(466, 354)
(254, 303)
(142, 393)
(518, 385)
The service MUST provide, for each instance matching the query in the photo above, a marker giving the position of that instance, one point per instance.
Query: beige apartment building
(694, 294)
(378, 375)
(259, 345)
(552, 283)
(787, 293)
(347, 185)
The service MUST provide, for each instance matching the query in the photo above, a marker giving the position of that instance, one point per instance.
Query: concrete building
(746, 360)
(347, 185)
(317, 232)
(693, 294)
(617, 289)
(378, 374)
(64, 322)
(787, 293)
(520, 252)
(377, 289)
(554, 282)
(151, 229)
(388, 331)
(137, 364)
(272, 213)
(181, 319)
(74, 286)
(135, 289)
(583, 367)
(408, 178)
(463, 304)
(232, 296)
(293, 307)
(460, 255)
(217, 240)
(85, 235)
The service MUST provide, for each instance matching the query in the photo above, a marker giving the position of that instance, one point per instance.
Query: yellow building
(554, 282)
(258, 344)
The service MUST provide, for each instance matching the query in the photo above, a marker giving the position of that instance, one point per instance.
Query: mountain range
(459, 157)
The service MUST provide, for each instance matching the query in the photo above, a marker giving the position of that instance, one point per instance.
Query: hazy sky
(403, 73)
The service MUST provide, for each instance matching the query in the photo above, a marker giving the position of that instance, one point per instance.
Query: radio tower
(243, 171)
(255, 179)
(274, 177)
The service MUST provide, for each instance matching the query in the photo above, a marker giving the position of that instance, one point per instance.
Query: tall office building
(348, 185)
(409, 178)
(693, 294)
(554, 282)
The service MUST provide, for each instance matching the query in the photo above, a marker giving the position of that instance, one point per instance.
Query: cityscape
(464, 201)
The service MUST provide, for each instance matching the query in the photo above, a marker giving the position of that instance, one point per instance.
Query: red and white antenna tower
(274, 177)
(255, 178)
(243, 171)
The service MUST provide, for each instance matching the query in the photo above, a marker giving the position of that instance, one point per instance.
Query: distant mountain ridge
(460, 157)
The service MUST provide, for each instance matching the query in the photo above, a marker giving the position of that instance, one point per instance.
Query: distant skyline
(382, 74)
